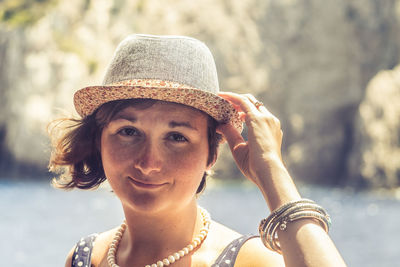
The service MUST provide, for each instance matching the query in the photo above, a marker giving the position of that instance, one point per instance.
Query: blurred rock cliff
(327, 69)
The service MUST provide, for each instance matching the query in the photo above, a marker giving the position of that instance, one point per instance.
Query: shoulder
(220, 236)
(68, 261)
(254, 253)
(99, 250)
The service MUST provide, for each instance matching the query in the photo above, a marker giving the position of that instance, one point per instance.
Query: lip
(145, 184)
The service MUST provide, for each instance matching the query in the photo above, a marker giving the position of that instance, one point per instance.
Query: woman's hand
(262, 151)
(304, 242)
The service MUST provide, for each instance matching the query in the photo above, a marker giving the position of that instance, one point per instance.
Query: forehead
(161, 109)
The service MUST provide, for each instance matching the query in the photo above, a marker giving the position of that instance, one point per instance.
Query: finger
(262, 108)
(231, 134)
(242, 116)
(251, 97)
(259, 107)
(242, 101)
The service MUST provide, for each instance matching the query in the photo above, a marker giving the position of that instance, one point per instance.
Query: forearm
(304, 242)
(275, 183)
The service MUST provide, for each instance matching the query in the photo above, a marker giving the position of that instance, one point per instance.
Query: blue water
(39, 224)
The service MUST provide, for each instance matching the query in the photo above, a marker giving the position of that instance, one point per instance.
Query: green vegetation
(22, 13)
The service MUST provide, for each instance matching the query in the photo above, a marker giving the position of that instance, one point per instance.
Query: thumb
(231, 134)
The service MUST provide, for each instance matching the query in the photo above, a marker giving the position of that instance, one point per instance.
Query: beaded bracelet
(290, 212)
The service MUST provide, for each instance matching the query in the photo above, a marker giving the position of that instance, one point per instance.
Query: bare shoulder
(254, 253)
(100, 247)
(217, 239)
(68, 261)
(220, 236)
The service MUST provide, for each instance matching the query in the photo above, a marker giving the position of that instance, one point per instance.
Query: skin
(154, 160)
(304, 242)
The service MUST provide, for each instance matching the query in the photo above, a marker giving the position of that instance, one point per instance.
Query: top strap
(83, 251)
(228, 256)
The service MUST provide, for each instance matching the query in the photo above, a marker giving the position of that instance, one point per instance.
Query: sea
(39, 224)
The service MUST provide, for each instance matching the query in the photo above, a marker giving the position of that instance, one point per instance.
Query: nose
(149, 159)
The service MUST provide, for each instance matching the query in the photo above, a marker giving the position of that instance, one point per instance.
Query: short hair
(76, 156)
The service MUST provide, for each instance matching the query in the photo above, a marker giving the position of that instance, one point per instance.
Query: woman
(152, 131)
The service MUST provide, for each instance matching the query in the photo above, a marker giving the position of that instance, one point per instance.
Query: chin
(145, 203)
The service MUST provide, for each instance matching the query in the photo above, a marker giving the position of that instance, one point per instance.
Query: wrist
(276, 184)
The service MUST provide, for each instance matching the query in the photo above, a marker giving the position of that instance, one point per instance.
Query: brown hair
(76, 156)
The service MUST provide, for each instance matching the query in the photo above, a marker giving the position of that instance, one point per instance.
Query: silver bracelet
(290, 212)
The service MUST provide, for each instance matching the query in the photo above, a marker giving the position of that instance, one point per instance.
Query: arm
(304, 242)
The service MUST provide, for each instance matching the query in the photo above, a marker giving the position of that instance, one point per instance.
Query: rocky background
(327, 69)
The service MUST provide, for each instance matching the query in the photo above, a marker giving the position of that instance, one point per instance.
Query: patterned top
(83, 252)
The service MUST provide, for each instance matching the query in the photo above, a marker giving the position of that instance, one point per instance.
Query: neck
(150, 237)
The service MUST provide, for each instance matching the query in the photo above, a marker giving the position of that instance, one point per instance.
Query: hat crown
(178, 59)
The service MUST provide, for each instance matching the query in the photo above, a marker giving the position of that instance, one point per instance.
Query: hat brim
(88, 99)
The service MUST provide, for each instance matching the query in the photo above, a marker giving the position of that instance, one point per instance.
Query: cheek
(189, 166)
(112, 156)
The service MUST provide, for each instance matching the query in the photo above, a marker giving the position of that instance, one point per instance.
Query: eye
(128, 131)
(177, 137)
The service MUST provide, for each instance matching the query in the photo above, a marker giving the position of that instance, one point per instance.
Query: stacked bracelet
(290, 212)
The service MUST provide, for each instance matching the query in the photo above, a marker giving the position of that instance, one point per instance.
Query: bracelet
(289, 212)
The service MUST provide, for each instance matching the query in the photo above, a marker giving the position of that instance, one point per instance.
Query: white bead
(177, 256)
(86, 249)
(80, 263)
(171, 259)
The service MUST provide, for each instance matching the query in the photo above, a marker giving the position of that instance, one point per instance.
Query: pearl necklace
(205, 216)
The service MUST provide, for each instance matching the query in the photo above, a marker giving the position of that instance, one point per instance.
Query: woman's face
(154, 158)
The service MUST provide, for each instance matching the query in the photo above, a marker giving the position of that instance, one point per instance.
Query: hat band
(152, 83)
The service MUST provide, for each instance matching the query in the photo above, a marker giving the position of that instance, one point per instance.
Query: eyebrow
(126, 117)
(171, 124)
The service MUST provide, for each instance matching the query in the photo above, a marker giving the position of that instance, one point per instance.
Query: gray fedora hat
(177, 69)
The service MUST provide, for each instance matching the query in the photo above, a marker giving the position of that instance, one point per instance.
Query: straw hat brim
(88, 99)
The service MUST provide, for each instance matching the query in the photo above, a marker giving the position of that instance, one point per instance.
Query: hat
(177, 69)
